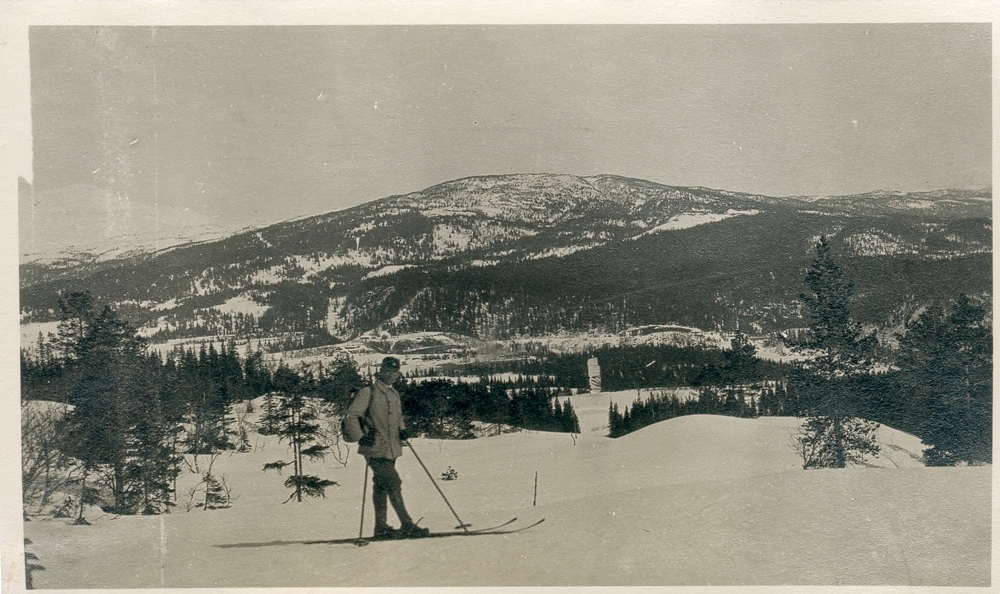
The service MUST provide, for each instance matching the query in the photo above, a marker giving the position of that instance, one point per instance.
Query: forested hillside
(503, 256)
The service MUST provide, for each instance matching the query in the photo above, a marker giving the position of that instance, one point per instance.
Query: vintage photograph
(506, 305)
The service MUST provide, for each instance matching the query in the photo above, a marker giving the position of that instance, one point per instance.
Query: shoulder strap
(368, 403)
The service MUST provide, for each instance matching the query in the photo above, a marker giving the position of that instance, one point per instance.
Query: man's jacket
(377, 413)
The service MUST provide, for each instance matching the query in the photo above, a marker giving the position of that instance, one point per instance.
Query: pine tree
(341, 381)
(614, 420)
(255, 373)
(208, 425)
(768, 405)
(271, 414)
(570, 422)
(491, 404)
(557, 421)
(710, 401)
(731, 406)
(741, 359)
(946, 358)
(216, 492)
(88, 496)
(153, 462)
(826, 303)
(832, 442)
(301, 433)
(30, 566)
(76, 314)
(118, 428)
(832, 427)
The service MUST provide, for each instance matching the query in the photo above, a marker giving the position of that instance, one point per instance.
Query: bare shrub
(45, 468)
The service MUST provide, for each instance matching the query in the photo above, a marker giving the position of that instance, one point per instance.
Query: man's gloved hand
(367, 440)
(404, 435)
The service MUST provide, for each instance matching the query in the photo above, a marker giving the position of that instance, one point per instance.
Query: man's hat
(390, 363)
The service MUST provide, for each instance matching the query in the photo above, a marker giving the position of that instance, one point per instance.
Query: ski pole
(434, 482)
(364, 495)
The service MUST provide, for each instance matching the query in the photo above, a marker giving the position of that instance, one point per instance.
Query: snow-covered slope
(691, 501)
(500, 257)
(84, 223)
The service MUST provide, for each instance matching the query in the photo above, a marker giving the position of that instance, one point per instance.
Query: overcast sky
(260, 124)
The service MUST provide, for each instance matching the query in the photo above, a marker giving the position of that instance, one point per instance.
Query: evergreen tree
(570, 422)
(299, 430)
(731, 406)
(710, 401)
(153, 462)
(209, 381)
(614, 420)
(341, 381)
(768, 404)
(946, 361)
(207, 422)
(76, 314)
(118, 429)
(256, 374)
(271, 414)
(490, 403)
(826, 304)
(834, 442)
(741, 359)
(842, 350)
(216, 494)
(30, 566)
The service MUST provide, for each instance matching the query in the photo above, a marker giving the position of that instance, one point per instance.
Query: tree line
(444, 409)
(735, 401)
(636, 366)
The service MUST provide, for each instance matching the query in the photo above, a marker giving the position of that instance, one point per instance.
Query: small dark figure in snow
(375, 420)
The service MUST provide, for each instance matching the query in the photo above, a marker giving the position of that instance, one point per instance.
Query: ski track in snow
(691, 501)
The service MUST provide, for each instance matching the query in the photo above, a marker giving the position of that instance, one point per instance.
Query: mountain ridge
(82, 223)
(534, 253)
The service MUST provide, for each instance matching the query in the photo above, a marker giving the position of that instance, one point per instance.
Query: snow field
(29, 332)
(691, 501)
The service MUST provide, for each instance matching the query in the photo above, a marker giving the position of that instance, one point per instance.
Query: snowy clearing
(241, 304)
(29, 332)
(387, 270)
(692, 501)
(693, 219)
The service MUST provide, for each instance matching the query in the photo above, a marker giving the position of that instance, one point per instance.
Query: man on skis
(375, 420)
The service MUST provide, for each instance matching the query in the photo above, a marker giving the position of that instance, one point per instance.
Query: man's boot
(383, 531)
(413, 531)
(409, 528)
(386, 532)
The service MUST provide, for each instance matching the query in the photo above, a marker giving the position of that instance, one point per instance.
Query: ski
(484, 531)
(498, 529)
(498, 526)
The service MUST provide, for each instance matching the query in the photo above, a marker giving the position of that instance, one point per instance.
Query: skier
(375, 420)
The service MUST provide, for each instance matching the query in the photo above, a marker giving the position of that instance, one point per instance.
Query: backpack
(362, 420)
(343, 431)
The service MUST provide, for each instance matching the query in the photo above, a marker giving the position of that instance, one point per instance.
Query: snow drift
(691, 501)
